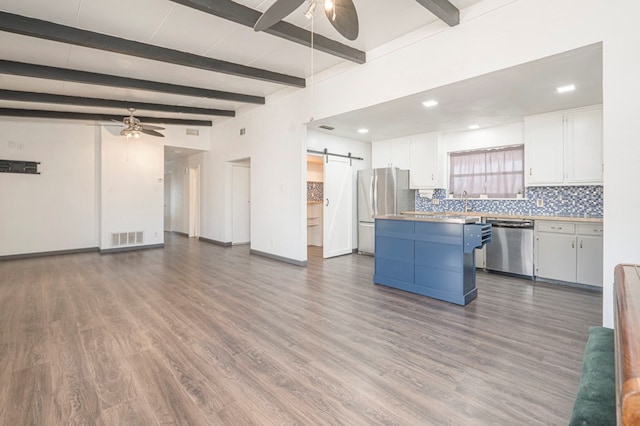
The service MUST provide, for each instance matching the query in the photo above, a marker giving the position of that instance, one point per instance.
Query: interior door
(240, 177)
(194, 203)
(167, 202)
(338, 209)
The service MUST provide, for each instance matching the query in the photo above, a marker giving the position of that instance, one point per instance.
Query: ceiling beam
(64, 115)
(14, 95)
(444, 10)
(247, 16)
(65, 74)
(61, 33)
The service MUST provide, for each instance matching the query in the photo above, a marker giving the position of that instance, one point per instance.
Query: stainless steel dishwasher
(511, 247)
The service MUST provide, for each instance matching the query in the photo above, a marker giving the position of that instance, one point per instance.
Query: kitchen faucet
(465, 198)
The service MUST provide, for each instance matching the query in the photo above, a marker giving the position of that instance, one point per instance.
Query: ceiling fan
(341, 13)
(133, 127)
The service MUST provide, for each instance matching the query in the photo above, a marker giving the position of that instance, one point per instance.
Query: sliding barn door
(338, 207)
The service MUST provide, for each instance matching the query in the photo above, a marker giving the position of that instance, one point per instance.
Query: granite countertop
(432, 217)
(507, 216)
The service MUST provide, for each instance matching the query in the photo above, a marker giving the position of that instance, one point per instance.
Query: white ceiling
(498, 98)
(489, 100)
(168, 24)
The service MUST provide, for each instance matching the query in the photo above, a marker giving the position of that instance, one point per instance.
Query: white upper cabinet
(424, 162)
(564, 148)
(544, 149)
(584, 146)
(390, 153)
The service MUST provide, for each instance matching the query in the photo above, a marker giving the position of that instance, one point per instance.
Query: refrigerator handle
(374, 190)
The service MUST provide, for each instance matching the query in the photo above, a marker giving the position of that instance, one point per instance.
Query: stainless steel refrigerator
(380, 191)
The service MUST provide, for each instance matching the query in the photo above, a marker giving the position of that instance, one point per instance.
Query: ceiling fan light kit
(129, 133)
(341, 13)
(133, 127)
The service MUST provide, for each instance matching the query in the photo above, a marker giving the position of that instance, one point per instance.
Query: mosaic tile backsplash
(577, 201)
(314, 192)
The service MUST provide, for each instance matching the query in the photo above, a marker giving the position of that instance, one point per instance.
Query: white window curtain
(497, 173)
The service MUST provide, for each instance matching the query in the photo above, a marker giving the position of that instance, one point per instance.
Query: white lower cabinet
(590, 254)
(567, 251)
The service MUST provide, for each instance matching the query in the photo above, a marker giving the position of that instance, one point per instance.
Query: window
(498, 173)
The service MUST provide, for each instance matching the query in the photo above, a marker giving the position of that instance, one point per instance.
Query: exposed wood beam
(14, 95)
(50, 31)
(65, 74)
(247, 16)
(444, 10)
(64, 115)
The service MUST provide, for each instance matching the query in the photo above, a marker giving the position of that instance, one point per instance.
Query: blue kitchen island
(429, 255)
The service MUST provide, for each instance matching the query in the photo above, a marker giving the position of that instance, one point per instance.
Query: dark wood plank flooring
(196, 334)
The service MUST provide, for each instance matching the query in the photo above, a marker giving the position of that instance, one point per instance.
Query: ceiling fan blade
(276, 13)
(152, 133)
(150, 127)
(344, 18)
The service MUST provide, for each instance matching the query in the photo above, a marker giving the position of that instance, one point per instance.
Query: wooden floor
(196, 334)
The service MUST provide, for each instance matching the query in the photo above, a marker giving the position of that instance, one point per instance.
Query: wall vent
(193, 132)
(119, 239)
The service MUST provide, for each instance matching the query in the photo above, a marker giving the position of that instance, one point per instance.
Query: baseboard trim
(302, 263)
(594, 288)
(184, 234)
(216, 242)
(132, 248)
(49, 253)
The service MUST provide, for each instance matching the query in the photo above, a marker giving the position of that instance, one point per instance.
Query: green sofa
(595, 402)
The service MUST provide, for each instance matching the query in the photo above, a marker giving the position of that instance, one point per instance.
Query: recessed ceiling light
(430, 103)
(474, 127)
(363, 130)
(568, 88)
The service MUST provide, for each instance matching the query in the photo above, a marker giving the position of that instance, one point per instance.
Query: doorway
(167, 202)
(194, 202)
(241, 204)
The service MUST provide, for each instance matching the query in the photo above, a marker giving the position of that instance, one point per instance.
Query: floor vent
(119, 239)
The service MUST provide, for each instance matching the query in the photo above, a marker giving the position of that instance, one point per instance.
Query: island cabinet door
(394, 252)
(439, 256)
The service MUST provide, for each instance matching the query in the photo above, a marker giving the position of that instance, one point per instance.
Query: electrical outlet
(435, 201)
(539, 202)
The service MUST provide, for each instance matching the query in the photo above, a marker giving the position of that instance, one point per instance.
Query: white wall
(132, 188)
(621, 143)
(56, 210)
(508, 134)
(93, 182)
(487, 40)
(132, 193)
(319, 141)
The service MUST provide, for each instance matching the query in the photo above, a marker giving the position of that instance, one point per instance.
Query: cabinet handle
(530, 171)
(580, 243)
(327, 205)
(573, 244)
(433, 177)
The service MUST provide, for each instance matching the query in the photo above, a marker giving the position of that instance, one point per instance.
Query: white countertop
(509, 216)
